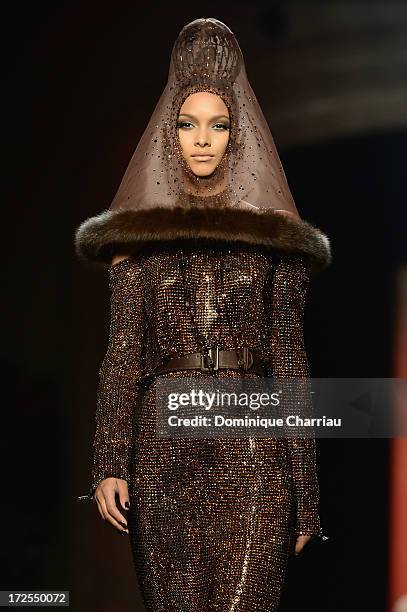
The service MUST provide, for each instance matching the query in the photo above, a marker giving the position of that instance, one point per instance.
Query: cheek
(185, 140)
(222, 143)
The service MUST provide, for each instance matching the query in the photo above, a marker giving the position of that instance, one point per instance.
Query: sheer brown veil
(247, 196)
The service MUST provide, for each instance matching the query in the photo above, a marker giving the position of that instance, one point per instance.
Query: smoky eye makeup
(223, 124)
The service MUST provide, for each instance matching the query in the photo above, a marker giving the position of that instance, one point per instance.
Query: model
(209, 264)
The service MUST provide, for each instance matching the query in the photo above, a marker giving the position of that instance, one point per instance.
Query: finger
(109, 517)
(114, 514)
(103, 507)
(99, 508)
(300, 543)
(123, 494)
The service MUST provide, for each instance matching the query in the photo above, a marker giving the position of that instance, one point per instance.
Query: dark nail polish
(127, 505)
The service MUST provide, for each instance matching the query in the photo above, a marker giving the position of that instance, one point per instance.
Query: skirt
(211, 521)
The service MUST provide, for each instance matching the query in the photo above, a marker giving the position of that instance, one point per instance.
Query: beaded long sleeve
(289, 359)
(118, 376)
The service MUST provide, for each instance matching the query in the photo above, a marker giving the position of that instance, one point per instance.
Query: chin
(200, 170)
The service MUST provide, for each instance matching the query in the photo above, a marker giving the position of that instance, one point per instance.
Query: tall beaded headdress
(246, 197)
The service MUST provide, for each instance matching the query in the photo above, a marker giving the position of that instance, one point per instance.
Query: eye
(183, 123)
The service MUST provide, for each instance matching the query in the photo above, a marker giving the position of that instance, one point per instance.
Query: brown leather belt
(240, 359)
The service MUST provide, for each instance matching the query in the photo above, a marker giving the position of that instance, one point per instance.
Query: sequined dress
(211, 521)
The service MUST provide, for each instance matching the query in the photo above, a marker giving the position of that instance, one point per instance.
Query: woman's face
(203, 130)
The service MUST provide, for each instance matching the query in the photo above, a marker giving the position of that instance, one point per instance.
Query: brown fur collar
(124, 231)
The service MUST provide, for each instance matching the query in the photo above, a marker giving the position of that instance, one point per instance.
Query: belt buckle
(247, 361)
(214, 365)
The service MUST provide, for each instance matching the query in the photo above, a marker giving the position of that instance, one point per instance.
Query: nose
(203, 138)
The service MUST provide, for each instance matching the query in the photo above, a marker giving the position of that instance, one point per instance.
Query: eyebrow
(211, 119)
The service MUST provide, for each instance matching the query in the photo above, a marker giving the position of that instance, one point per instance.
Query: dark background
(80, 82)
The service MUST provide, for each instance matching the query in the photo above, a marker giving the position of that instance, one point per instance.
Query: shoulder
(290, 272)
(118, 258)
(124, 272)
(294, 261)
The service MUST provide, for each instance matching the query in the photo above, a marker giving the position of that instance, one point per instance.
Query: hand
(105, 498)
(300, 543)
